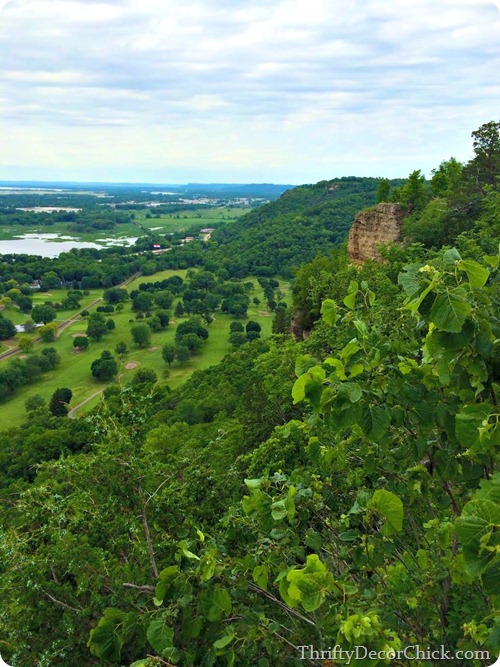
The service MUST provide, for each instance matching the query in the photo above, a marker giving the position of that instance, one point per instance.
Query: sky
(282, 91)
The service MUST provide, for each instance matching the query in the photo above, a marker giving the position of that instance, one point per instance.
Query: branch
(61, 604)
(145, 587)
(148, 537)
(274, 599)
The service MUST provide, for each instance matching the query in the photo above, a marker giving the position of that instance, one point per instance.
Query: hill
(310, 219)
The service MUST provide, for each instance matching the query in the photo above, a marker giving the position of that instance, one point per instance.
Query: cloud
(218, 79)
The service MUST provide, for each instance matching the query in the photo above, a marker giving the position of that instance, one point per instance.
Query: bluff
(372, 227)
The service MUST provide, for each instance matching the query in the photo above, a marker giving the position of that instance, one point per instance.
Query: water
(46, 245)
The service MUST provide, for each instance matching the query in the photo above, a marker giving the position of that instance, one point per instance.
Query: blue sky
(284, 91)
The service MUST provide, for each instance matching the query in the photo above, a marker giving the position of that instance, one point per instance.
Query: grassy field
(74, 370)
(162, 224)
(56, 296)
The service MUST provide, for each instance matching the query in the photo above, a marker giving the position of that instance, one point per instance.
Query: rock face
(380, 224)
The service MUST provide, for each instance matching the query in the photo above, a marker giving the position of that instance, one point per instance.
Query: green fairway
(74, 369)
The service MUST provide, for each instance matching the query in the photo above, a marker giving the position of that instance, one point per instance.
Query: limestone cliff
(380, 224)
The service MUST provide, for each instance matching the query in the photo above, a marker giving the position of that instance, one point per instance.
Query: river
(52, 245)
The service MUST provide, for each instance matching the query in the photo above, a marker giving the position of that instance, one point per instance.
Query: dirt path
(71, 413)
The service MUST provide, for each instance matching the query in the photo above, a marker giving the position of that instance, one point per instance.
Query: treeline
(78, 222)
(21, 372)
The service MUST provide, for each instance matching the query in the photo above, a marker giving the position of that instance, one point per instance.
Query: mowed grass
(166, 223)
(74, 369)
(56, 296)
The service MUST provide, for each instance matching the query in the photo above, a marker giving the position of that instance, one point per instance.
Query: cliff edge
(377, 225)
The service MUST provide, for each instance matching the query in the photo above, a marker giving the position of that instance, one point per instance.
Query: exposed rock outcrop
(380, 224)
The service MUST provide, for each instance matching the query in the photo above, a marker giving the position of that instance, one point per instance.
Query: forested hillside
(341, 490)
(278, 237)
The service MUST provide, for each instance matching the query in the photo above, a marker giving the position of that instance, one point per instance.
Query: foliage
(105, 367)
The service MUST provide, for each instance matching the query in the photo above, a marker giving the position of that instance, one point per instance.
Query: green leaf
(226, 639)
(410, 279)
(350, 300)
(208, 564)
(253, 483)
(329, 311)
(304, 363)
(278, 510)
(106, 640)
(215, 603)
(491, 579)
(476, 273)
(350, 390)
(350, 349)
(260, 575)
(309, 385)
(450, 309)
(374, 422)
(451, 256)
(339, 371)
(390, 507)
(469, 421)
(160, 636)
(167, 586)
(307, 586)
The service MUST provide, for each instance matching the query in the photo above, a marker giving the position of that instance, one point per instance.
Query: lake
(52, 245)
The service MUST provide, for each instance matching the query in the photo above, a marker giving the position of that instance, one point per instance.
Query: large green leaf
(215, 603)
(476, 527)
(106, 640)
(374, 422)
(469, 421)
(450, 310)
(390, 507)
(329, 311)
(491, 578)
(410, 278)
(476, 273)
(168, 583)
(309, 385)
(451, 256)
(160, 635)
(308, 585)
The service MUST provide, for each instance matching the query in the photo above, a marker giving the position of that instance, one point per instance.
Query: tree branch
(61, 604)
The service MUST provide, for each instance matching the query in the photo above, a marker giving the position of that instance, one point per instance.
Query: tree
(237, 338)
(58, 405)
(35, 402)
(383, 191)
(179, 309)
(144, 376)
(236, 326)
(253, 326)
(48, 332)
(141, 334)
(168, 354)
(164, 318)
(43, 313)
(182, 354)
(121, 347)
(105, 367)
(143, 301)
(80, 342)
(115, 295)
(110, 324)
(193, 342)
(414, 193)
(26, 344)
(484, 168)
(96, 327)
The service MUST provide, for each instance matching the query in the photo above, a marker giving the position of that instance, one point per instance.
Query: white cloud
(284, 88)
